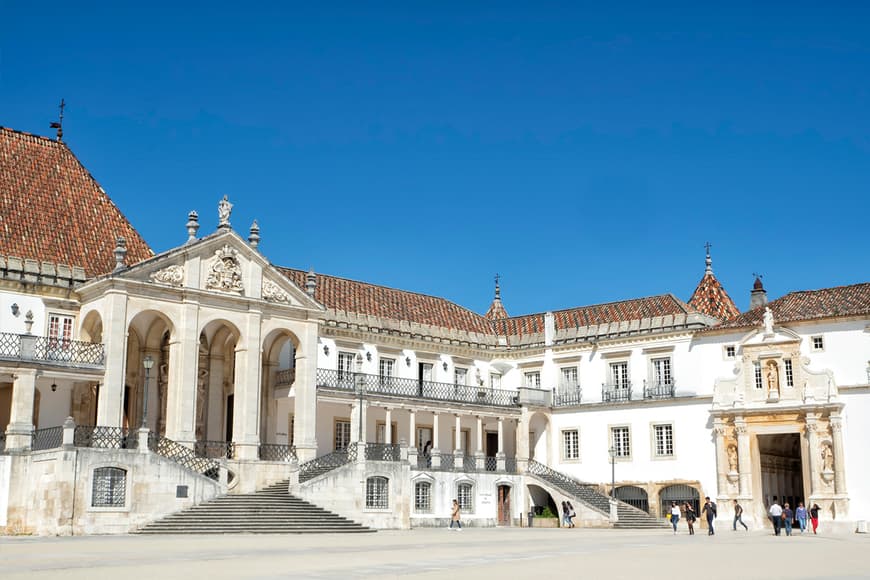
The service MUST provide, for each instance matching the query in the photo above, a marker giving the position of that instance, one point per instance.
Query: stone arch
(539, 438)
(146, 331)
(633, 496)
(540, 498)
(680, 493)
(278, 377)
(216, 375)
(91, 327)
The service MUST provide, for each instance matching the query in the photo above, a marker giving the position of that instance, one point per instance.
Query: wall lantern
(53, 387)
(15, 309)
(444, 366)
(369, 356)
(407, 361)
(326, 349)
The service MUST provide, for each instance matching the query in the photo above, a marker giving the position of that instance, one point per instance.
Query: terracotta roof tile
(52, 209)
(710, 298)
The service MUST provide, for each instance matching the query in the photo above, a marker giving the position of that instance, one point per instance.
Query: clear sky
(585, 152)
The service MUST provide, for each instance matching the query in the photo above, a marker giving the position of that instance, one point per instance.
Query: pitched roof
(710, 298)
(52, 209)
(370, 299)
(839, 301)
(496, 310)
(622, 311)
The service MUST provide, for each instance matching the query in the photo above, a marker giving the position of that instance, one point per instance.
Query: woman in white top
(675, 515)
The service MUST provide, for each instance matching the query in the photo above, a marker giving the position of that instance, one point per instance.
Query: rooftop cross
(709, 261)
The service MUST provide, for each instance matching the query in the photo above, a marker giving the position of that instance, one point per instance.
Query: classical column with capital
(721, 458)
(812, 426)
(839, 457)
(744, 460)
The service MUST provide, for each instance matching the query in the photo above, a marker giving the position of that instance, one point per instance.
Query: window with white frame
(533, 380)
(789, 373)
(495, 380)
(342, 435)
(620, 440)
(661, 370)
(730, 351)
(345, 366)
(759, 381)
(59, 331)
(619, 375)
(465, 497)
(385, 370)
(377, 493)
(109, 487)
(664, 440)
(422, 497)
(570, 444)
(818, 343)
(569, 378)
(459, 376)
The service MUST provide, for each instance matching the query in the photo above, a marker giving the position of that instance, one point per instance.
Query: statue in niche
(827, 457)
(772, 378)
(732, 458)
(767, 319)
(201, 403)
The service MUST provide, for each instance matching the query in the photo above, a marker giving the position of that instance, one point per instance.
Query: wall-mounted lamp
(53, 387)
(369, 356)
(407, 361)
(444, 366)
(326, 349)
(15, 309)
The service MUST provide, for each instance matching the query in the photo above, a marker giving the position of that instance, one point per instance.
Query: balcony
(54, 351)
(416, 389)
(616, 393)
(567, 395)
(658, 390)
(285, 377)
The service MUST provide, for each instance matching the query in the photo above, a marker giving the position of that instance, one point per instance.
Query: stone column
(412, 423)
(436, 451)
(744, 458)
(479, 456)
(721, 458)
(812, 422)
(839, 454)
(305, 408)
(522, 436)
(246, 420)
(19, 432)
(457, 433)
(110, 407)
(183, 367)
(215, 430)
(388, 428)
(501, 436)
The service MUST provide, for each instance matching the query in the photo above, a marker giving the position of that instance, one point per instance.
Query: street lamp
(147, 362)
(612, 453)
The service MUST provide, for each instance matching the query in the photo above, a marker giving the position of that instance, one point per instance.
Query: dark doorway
(781, 469)
(229, 428)
(127, 418)
(491, 444)
(504, 505)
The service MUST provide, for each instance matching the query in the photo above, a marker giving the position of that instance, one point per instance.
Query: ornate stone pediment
(225, 272)
(274, 293)
(171, 275)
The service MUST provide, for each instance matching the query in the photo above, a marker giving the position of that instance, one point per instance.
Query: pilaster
(744, 459)
(19, 432)
(812, 427)
(721, 459)
(184, 363)
(110, 408)
(246, 423)
(305, 386)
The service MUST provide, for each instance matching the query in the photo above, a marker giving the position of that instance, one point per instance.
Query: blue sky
(585, 152)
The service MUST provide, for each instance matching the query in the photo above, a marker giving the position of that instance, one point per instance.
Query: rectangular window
(620, 441)
(109, 487)
(570, 444)
(465, 497)
(533, 380)
(460, 376)
(424, 372)
(730, 351)
(569, 377)
(378, 493)
(385, 368)
(342, 435)
(346, 366)
(818, 343)
(495, 380)
(664, 440)
(661, 371)
(789, 374)
(619, 375)
(759, 382)
(423, 497)
(59, 333)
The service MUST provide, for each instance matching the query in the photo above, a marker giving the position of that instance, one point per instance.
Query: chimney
(758, 297)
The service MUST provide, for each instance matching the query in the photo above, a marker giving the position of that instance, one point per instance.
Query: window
(342, 435)
(789, 373)
(424, 372)
(385, 370)
(619, 375)
(345, 366)
(533, 380)
(459, 376)
(465, 497)
(661, 368)
(730, 351)
(570, 444)
(818, 343)
(619, 440)
(759, 382)
(110, 487)
(569, 377)
(377, 493)
(495, 380)
(423, 497)
(59, 336)
(664, 440)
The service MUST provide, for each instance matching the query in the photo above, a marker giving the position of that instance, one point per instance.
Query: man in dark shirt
(709, 510)
(738, 516)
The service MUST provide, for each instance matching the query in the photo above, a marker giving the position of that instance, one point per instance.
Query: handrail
(383, 452)
(277, 452)
(51, 350)
(324, 463)
(49, 438)
(184, 456)
(104, 437)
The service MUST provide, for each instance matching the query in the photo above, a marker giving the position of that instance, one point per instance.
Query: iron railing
(469, 464)
(276, 452)
(184, 456)
(104, 437)
(215, 449)
(50, 438)
(413, 388)
(285, 377)
(510, 464)
(490, 464)
(423, 461)
(658, 390)
(51, 350)
(325, 463)
(615, 393)
(447, 462)
(565, 396)
(383, 452)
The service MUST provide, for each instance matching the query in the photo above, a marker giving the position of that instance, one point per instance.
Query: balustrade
(46, 349)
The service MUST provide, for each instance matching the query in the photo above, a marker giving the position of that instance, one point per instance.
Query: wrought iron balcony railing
(413, 388)
(658, 390)
(2, 442)
(567, 395)
(277, 452)
(105, 437)
(383, 452)
(28, 347)
(617, 393)
(215, 449)
(50, 438)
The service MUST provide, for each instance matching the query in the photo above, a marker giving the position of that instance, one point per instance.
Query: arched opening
(147, 335)
(215, 388)
(633, 496)
(539, 436)
(92, 328)
(681, 494)
(277, 404)
(541, 503)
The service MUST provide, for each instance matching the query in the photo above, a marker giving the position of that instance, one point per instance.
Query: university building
(135, 385)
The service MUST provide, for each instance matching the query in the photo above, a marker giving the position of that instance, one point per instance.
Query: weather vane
(59, 123)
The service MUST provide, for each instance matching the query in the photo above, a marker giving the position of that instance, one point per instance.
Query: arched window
(110, 487)
(423, 497)
(634, 496)
(465, 497)
(378, 493)
(680, 494)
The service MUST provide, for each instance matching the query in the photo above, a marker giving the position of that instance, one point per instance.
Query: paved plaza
(472, 553)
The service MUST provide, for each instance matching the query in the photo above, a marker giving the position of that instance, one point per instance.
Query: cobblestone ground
(472, 553)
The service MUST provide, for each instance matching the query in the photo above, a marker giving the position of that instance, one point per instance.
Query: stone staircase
(629, 517)
(271, 510)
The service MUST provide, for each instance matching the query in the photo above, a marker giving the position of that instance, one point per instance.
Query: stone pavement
(429, 553)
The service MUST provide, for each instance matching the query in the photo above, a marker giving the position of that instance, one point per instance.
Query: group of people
(568, 514)
(688, 511)
(783, 517)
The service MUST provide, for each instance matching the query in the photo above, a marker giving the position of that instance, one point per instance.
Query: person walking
(709, 510)
(814, 516)
(675, 515)
(565, 522)
(454, 518)
(801, 515)
(738, 516)
(427, 453)
(775, 513)
(690, 517)
(787, 518)
(571, 514)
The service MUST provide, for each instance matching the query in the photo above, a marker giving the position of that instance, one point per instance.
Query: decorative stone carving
(171, 275)
(767, 320)
(226, 272)
(732, 458)
(772, 378)
(225, 208)
(827, 457)
(274, 293)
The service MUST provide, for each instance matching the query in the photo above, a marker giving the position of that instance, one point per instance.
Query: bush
(547, 513)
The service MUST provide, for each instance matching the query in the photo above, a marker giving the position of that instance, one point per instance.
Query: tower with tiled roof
(710, 297)
(53, 210)
(496, 309)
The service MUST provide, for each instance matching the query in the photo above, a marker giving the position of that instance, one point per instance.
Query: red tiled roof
(52, 209)
(624, 310)
(364, 298)
(496, 311)
(834, 302)
(710, 298)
